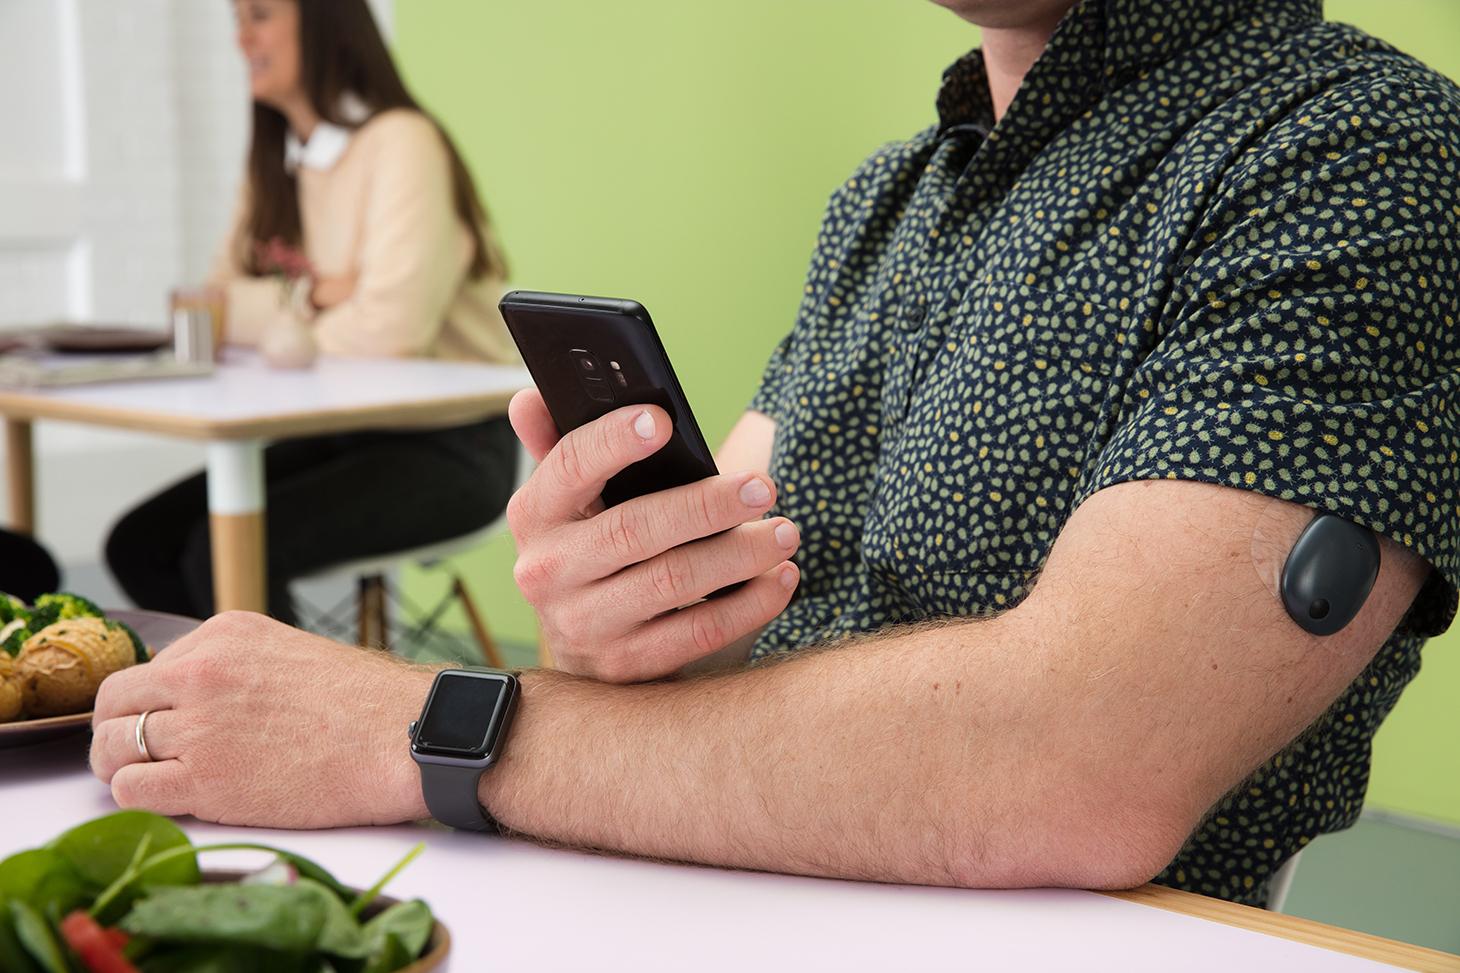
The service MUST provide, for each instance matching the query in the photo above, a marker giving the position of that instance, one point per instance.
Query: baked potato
(12, 696)
(61, 667)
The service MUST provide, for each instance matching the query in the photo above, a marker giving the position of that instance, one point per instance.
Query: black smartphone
(591, 355)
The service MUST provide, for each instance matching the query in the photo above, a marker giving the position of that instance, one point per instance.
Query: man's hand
(252, 722)
(610, 586)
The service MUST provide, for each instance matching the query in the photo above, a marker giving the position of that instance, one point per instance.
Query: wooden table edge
(448, 411)
(1307, 931)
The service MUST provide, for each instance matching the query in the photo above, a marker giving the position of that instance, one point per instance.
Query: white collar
(327, 142)
(325, 146)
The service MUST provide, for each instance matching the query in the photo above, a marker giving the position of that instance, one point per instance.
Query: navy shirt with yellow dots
(1212, 240)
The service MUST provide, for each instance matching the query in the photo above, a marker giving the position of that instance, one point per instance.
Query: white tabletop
(511, 905)
(246, 397)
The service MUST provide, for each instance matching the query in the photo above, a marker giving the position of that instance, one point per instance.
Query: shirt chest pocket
(996, 438)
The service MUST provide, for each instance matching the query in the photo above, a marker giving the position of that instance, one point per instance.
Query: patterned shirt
(1210, 240)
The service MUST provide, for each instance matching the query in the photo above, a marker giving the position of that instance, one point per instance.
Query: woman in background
(347, 169)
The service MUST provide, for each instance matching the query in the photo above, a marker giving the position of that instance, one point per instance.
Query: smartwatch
(459, 735)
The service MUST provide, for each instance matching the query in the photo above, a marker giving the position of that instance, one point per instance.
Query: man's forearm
(1075, 740)
(868, 761)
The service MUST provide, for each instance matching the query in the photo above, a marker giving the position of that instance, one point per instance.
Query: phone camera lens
(590, 375)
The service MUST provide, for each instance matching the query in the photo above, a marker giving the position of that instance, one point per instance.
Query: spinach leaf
(310, 870)
(389, 956)
(282, 917)
(35, 935)
(13, 957)
(340, 935)
(101, 849)
(368, 896)
(41, 878)
(398, 935)
(305, 867)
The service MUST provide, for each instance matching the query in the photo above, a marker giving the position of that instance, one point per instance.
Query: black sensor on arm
(1329, 573)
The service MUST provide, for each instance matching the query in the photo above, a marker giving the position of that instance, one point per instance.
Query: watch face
(463, 714)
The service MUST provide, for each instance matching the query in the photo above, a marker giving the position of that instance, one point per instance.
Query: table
(513, 905)
(236, 411)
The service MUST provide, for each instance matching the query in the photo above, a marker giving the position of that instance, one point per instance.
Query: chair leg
(374, 624)
(1282, 883)
(484, 638)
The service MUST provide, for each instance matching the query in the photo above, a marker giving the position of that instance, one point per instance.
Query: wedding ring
(142, 737)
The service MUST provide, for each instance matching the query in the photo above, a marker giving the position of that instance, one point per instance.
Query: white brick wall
(126, 125)
(36, 138)
(33, 280)
(212, 111)
(131, 205)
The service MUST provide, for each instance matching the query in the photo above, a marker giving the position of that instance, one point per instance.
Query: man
(1168, 277)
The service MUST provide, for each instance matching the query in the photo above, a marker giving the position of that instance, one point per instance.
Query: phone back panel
(591, 355)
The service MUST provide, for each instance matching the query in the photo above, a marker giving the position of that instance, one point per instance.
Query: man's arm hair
(1076, 740)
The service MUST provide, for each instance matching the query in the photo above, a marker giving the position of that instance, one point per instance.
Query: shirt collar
(1142, 33)
(328, 141)
(1105, 42)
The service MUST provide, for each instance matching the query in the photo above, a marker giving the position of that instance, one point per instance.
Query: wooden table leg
(20, 470)
(374, 616)
(236, 519)
(485, 642)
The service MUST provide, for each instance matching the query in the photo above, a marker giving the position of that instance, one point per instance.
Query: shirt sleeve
(412, 261)
(773, 381)
(1309, 349)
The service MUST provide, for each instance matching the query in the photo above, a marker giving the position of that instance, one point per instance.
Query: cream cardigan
(384, 212)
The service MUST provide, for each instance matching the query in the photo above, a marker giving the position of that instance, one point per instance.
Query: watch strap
(451, 795)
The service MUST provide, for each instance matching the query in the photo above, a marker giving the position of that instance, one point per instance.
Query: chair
(1282, 883)
(373, 627)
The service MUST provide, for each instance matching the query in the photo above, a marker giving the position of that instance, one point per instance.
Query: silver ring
(142, 737)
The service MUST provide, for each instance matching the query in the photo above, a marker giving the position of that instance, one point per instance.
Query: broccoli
(15, 625)
(18, 623)
(69, 605)
(16, 638)
(60, 606)
(11, 608)
(139, 648)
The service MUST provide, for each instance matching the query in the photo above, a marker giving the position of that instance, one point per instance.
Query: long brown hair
(341, 52)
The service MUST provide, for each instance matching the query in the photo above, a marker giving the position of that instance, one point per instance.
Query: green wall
(680, 153)
(1417, 752)
(676, 152)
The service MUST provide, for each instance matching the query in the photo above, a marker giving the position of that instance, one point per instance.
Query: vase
(289, 343)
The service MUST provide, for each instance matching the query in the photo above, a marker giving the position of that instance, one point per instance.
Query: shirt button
(914, 317)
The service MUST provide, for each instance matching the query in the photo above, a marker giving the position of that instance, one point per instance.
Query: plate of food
(55, 653)
(125, 893)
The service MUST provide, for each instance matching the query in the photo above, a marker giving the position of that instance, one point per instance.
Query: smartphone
(591, 355)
